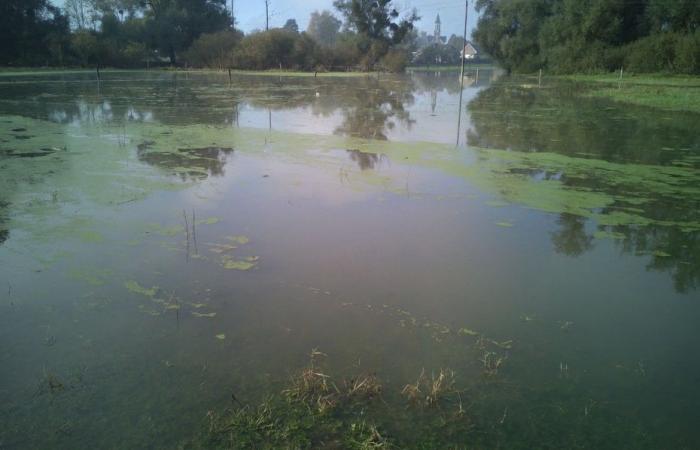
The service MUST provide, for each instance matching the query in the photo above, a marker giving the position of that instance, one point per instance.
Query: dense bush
(213, 50)
(394, 61)
(266, 50)
(665, 52)
(199, 33)
(566, 36)
(688, 53)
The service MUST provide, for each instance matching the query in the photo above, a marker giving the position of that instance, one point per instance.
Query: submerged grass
(316, 412)
(669, 93)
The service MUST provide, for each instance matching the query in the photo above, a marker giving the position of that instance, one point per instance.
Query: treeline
(570, 36)
(201, 33)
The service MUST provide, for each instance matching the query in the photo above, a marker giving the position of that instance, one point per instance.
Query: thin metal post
(461, 74)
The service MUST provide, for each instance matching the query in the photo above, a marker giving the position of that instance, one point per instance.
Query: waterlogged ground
(174, 246)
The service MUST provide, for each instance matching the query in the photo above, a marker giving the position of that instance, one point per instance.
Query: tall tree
(376, 19)
(174, 24)
(674, 15)
(79, 12)
(591, 35)
(324, 27)
(509, 31)
(291, 25)
(30, 30)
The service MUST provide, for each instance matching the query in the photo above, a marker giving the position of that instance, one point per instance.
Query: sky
(250, 14)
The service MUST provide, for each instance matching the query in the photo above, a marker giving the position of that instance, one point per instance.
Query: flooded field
(186, 259)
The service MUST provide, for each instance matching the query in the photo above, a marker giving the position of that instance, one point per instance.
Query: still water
(171, 241)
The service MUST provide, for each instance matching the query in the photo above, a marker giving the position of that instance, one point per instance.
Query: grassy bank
(5, 71)
(288, 73)
(449, 68)
(667, 92)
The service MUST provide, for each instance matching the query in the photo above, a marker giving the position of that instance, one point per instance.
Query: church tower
(437, 29)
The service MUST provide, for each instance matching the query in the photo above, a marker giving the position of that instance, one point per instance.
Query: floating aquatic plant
(136, 288)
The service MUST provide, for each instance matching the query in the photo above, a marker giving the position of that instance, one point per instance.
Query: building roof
(470, 48)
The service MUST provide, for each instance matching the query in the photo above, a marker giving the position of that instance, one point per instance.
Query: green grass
(665, 92)
(6, 71)
(449, 68)
(289, 73)
(28, 71)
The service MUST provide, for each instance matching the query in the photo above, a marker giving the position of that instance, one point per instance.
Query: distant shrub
(134, 54)
(394, 61)
(85, 46)
(305, 53)
(271, 49)
(214, 50)
(654, 53)
(688, 54)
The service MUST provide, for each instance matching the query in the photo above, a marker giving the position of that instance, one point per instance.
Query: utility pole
(233, 17)
(267, 15)
(461, 74)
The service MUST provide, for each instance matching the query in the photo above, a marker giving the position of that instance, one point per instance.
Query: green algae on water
(232, 264)
(94, 277)
(238, 239)
(170, 230)
(136, 288)
(208, 221)
(600, 234)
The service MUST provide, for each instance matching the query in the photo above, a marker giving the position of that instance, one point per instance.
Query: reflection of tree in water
(559, 120)
(370, 107)
(508, 116)
(671, 249)
(376, 108)
(4, 231)
(188, 163)
(436, 82)
(572, 239)
(366, 160)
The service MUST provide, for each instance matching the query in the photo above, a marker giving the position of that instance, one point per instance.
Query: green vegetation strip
(669, 93)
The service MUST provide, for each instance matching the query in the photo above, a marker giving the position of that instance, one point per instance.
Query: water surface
(170, 239)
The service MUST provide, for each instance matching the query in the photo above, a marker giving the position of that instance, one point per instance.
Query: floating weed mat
(188, 163)
(224, 251)
(157, 302)
(92, 276)
(63, 181)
